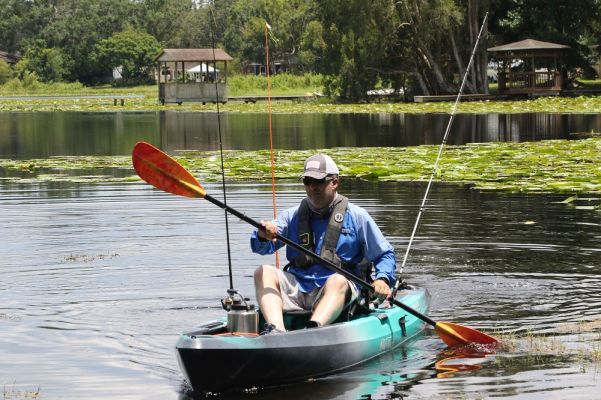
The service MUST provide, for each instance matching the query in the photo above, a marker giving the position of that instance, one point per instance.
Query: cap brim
(314, 174)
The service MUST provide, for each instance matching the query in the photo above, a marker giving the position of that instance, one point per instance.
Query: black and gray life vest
(306, 238)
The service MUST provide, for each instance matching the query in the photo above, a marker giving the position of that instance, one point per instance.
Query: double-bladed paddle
(163, 172)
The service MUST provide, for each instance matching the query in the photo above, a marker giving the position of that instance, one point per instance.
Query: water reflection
(44, 134)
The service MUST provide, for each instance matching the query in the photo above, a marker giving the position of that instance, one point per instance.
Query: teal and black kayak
(214, 359)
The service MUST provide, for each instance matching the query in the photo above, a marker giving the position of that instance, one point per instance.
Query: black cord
(213, 26)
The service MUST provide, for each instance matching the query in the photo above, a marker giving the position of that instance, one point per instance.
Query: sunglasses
(311, 181)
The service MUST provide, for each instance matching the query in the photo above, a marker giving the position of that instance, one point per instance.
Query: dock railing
(529, 82)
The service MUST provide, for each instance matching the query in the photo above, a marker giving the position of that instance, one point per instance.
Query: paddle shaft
(321, 260)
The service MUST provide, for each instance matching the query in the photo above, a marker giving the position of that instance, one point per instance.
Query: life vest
(306, 237)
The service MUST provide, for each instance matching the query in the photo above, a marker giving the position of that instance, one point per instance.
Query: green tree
(133, 51)
(48, 64)
(195, 30)
(21, 21)
(312, 47)
(572, 23)
(244, 35)
(163, 19)
(421, 46)
(76, 26)
(357, 35)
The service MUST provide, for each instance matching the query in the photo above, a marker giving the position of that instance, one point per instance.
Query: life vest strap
(306, 237)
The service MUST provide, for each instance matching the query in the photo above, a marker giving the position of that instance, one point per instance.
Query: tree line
(420, 46)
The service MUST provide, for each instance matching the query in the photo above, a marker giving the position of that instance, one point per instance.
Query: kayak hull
(213, 360)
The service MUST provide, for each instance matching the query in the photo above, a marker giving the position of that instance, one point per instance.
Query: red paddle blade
(453, 335)
(163, 172)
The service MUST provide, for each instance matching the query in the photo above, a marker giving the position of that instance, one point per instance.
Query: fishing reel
(235, 300)
(242, 316)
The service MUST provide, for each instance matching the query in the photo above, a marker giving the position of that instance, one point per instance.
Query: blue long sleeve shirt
(360, 238)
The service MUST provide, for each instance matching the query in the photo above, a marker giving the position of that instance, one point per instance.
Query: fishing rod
(438, 156)
(271, 155)
(212, 26)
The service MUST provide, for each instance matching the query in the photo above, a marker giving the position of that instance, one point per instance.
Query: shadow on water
(46, 134)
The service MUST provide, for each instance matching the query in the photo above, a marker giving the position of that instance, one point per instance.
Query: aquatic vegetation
(149, 102)
(580, 340)
(596, 350)
(11, 393)
(86, 258)
(532, 344)
(572, 167)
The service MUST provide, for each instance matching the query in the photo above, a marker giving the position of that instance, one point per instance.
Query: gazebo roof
(193, 55)
(528, 45)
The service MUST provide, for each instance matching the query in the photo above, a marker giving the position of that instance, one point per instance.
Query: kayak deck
(214, 360)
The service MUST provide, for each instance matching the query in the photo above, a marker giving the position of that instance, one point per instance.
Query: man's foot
(270, 329)
(312, 324)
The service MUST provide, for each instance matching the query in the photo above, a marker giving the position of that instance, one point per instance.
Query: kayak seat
(296, 319)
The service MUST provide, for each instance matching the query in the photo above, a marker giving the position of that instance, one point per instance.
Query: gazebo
(529, 67)
(193, 75)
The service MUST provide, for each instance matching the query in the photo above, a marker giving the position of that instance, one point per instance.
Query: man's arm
(377, 250)
(263, 241)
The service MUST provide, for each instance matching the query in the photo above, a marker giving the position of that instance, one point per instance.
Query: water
(98, 281)
(45, 134)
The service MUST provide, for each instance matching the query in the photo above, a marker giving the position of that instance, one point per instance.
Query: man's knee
(264, 272)
(338, 283)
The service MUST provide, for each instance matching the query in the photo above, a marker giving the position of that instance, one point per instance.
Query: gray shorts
(294, 300)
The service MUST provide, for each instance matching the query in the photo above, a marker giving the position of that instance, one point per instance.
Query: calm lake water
(44, 134)
(98, 280)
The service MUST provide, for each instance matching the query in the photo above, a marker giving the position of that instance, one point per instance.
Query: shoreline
(145, 103)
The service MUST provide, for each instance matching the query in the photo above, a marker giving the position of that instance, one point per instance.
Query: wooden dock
(453, 97)
(254, 99)
(514, 96)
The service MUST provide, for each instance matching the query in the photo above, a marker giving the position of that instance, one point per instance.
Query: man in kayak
(329, 225)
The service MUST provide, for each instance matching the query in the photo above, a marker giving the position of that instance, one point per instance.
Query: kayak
(216, 360)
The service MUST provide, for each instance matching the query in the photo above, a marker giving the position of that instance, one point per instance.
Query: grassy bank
(238, 85)
(257, 86)
(571, 167)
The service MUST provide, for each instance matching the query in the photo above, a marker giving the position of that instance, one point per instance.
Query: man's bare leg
(333, 299)
(269, 296)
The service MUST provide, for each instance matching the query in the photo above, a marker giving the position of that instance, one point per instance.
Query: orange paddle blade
(453, 335)
(163, 172)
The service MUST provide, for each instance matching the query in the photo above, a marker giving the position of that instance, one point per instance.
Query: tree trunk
(433, 69)
(471, 87)
(421, 82)
(480, 64)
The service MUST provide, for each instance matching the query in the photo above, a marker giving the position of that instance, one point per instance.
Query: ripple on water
(99, 280)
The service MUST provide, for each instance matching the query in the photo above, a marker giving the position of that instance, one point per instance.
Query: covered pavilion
(192, 75)
(530, 67)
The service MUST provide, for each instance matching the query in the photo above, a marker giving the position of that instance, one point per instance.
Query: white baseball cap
(319, 166)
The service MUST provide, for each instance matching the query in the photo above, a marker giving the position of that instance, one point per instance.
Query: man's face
(321, 192)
